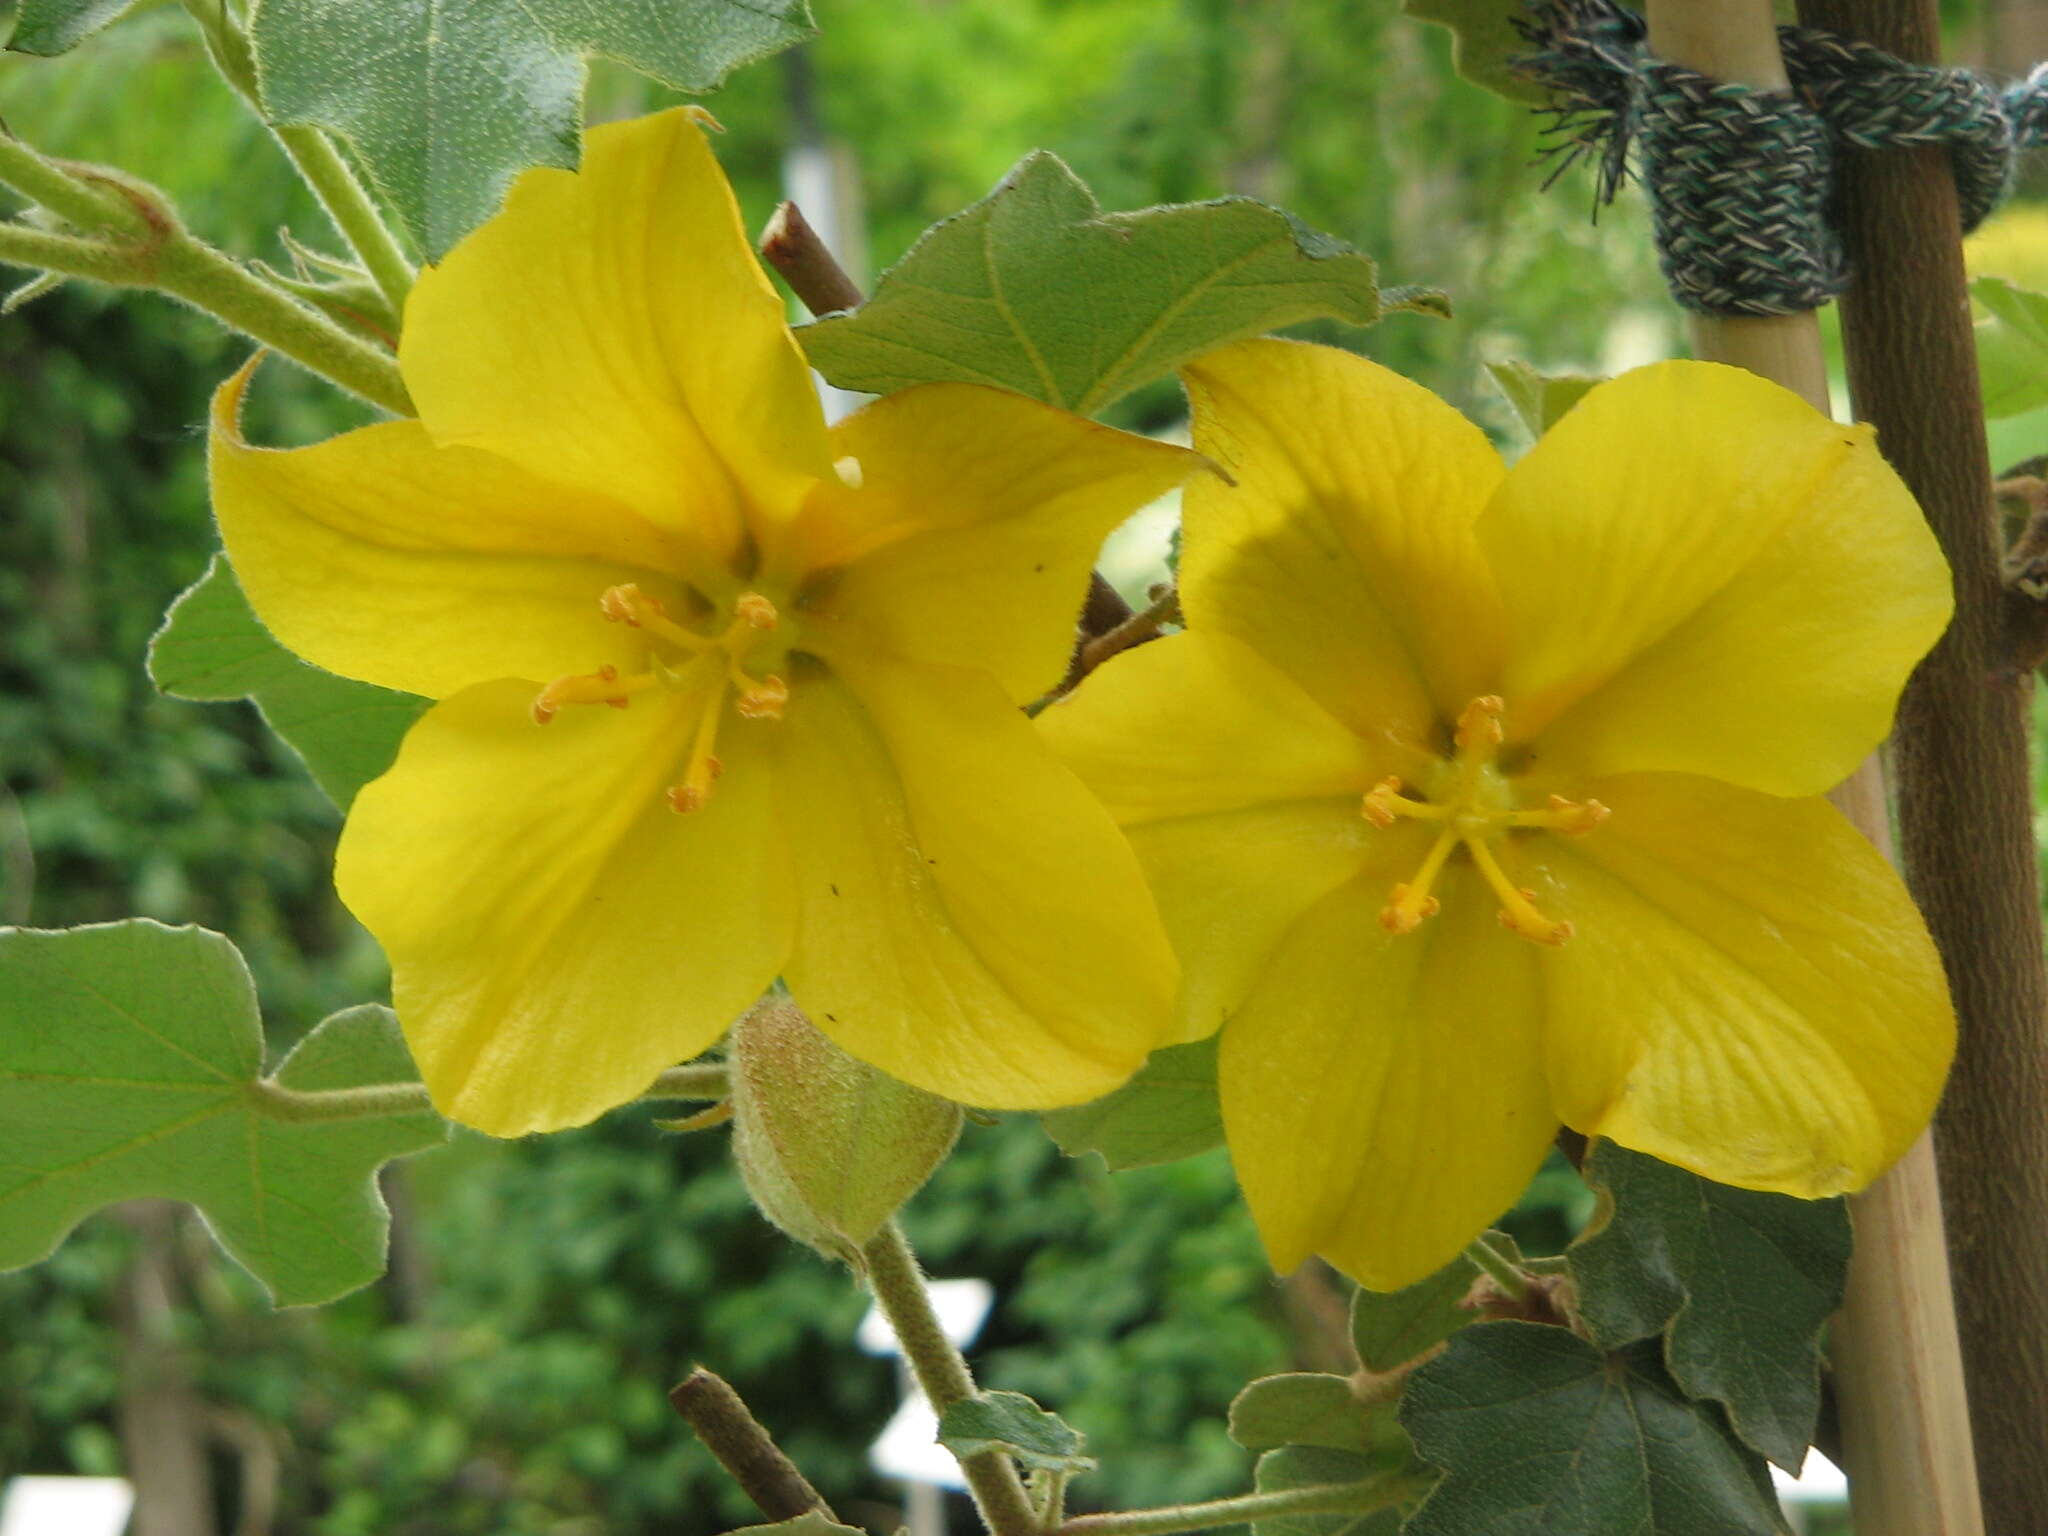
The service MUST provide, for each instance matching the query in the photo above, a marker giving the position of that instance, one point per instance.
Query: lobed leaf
(1391, 1328)
(445, 101)
(1307, 1466)
(1309, 1408)
(1012, 1422)
(1738, 1283)
(1601, 1443)
(1484, 39)
(131, 1059)
(212, 647)
(1035, 289)
(1167, 1111)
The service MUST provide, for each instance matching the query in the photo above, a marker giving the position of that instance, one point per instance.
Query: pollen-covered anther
(1407, 910)
(1378, 806)
(762, 700)
(1578, 815)
(1479, 725)
(604, 686)
(758, 612)
(684, 798)
(627, 604)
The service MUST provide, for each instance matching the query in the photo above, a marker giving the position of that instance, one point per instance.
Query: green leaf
(1391, 1328)
(1483, 40)
(1540, 1434)
(50, 27)
(1035, 289)
(1740, 1282)
(130, 1059)
(1166, 1112)
(1539, 399)
(2012, 347)
(212, 647)
(829, 1147)
(1010, 1421)
(1307, 1408)
(445, 103)
(1309, 1466)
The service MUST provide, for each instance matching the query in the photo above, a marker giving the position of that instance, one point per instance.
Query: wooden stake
(1898, 1367)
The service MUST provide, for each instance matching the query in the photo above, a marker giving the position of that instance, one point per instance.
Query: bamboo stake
(1898, 1365)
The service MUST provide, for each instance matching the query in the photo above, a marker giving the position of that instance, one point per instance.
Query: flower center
(1473, 803)
(681, 660)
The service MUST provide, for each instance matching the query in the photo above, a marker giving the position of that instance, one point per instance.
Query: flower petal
(1344, 553)
(379, 556)
(1384, 1097)
(557, 934)
(977, 520)
(973, 922)
(611, 328)
(1704, 574)
(1197, 723)
(1750, 993)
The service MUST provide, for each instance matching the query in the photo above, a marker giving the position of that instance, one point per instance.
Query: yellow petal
(977, 519)
(1197, 723)
(1384, 1097)
(611, 328)
(1240, 792)
(1344, 553)
(1750, 993)
(973, 923)
(1232, 883)
(1704, 574)
(557, 934)
(379, 556)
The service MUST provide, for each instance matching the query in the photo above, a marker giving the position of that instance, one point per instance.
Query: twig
(796, 250)
(1320, 1499)
(746, 1450)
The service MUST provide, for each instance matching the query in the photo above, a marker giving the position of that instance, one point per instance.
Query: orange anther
(758, 612)
(764, 700)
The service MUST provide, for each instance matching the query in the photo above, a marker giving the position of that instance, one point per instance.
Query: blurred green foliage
(508, 1377)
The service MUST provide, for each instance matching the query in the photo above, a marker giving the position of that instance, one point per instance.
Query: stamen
(755, 610)
(1412, 901)
(762, 699)
(1571, 817)
(627, 604)
(1479, 727)
(604, 686)
(1384, 801)
(1518, 912)
(704, 767)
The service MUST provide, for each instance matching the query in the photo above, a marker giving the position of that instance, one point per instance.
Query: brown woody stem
(794, 249)
(1965, 792)
(745, 1449)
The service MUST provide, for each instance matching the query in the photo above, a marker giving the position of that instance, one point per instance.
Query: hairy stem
(1323, 1499)
(704, 1080)
(91, 206)
(350, 207)
(940, 1369)
(1512, 1282)
(24, 246)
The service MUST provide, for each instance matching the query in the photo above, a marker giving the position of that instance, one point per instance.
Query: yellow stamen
(759, 699)
(1412, 901)
(1518, 912)
(604, 686)
(704, 766)
(1384, 801)
(754, 610)
(1568, 816)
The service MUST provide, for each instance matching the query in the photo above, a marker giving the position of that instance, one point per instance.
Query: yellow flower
(621, 491)
(1478, 799)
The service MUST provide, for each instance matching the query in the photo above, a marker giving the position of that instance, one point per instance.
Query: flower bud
(829, 1147)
